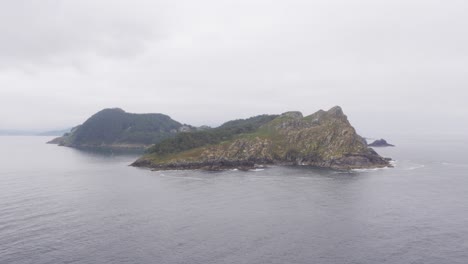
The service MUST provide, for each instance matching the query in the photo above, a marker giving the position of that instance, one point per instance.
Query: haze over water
(62, 205)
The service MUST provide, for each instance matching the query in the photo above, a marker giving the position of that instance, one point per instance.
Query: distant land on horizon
(115, 128)
(14, 132)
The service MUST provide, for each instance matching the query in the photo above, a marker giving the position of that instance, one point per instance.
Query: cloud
(67, 32)
(207, 61)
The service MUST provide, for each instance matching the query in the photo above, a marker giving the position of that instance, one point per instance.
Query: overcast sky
(393, 65)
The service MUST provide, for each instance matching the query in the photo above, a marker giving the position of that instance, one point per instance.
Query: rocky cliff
(324, 139)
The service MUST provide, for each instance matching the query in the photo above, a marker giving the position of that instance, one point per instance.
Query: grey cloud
(62, 32)
(392, 65)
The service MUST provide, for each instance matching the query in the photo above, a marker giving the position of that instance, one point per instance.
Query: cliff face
(323, 139)
(117, 128)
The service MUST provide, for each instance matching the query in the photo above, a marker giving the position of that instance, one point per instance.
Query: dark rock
(380, 143)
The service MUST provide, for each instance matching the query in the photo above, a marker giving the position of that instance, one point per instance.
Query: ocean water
(61, 205)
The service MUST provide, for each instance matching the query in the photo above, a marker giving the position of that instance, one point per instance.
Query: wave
(257, 170)
(392, 165)
(253, 170)
(369, 170)
(454, 164)
(415, 167)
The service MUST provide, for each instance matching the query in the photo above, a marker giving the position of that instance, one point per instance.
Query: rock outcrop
(380, 143)
(324, 139)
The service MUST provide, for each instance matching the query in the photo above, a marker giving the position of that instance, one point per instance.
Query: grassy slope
(192, 140)
(116, 127)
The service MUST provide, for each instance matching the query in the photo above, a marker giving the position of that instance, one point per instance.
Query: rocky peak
(292, 114)
(335, 111)
(321, 116)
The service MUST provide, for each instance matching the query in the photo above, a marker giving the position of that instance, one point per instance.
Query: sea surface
(62, 205)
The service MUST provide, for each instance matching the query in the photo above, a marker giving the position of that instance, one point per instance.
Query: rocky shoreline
(218, 165)
(347, 163)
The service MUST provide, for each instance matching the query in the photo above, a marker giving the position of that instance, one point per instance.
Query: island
(115, 128)
(324, 139)
(380, 143)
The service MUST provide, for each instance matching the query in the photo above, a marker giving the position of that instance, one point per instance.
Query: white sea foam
(373, 169)
(257, 170)
(415, 167)
(368, 170)
(454, 164)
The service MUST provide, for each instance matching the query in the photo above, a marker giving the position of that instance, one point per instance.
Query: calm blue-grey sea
(62, 205)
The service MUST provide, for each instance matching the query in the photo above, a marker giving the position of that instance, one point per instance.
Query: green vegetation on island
(324, 139)
(190, 140)
(117, 128)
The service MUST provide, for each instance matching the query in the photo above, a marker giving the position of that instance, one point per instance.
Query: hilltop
(116, 128)
(324, 139)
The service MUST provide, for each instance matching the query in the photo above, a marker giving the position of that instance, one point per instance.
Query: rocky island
(380, 143)
(324, 139)
(115, 128)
